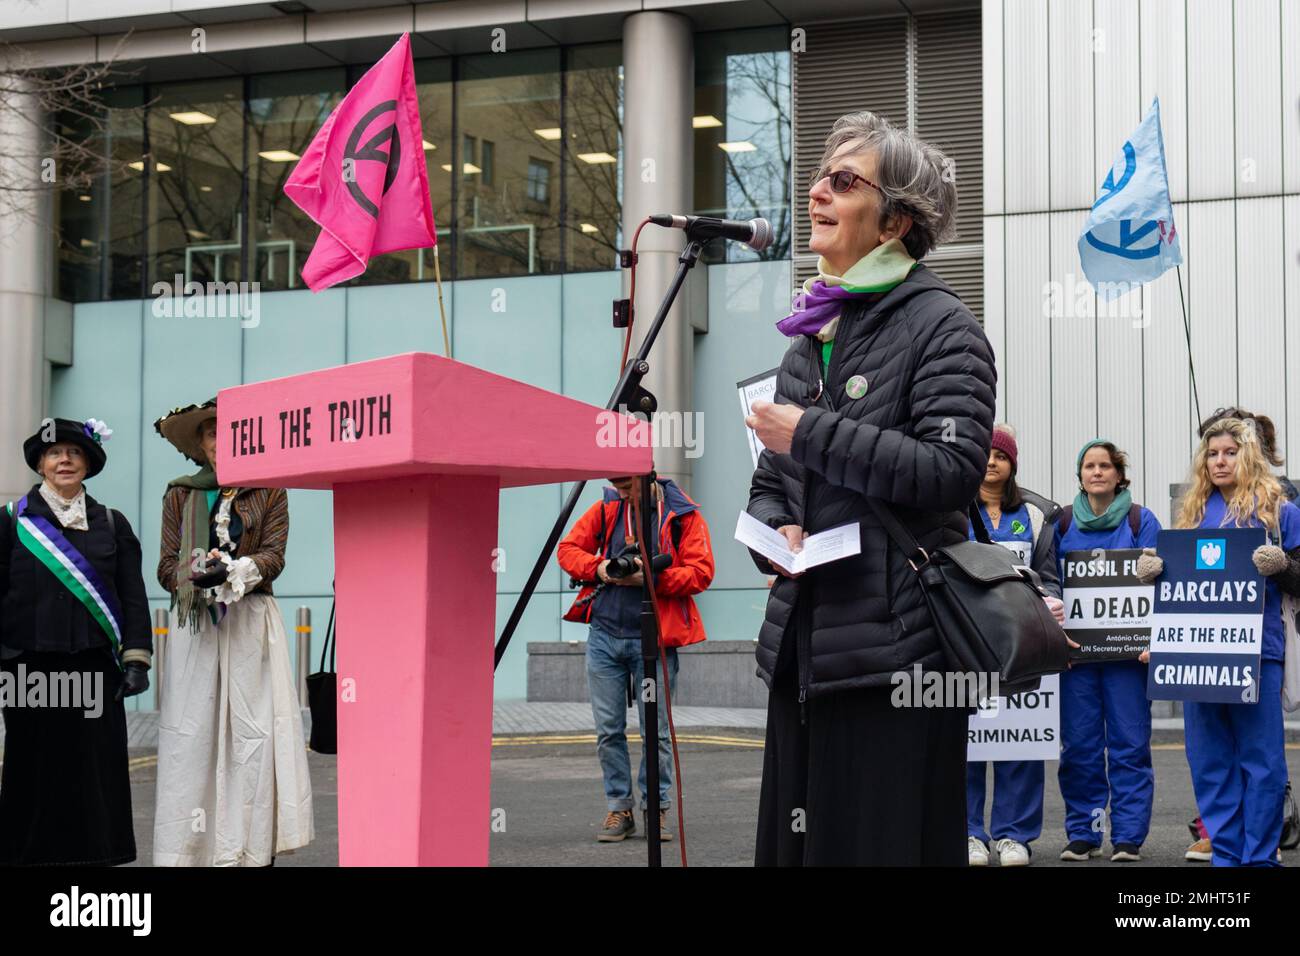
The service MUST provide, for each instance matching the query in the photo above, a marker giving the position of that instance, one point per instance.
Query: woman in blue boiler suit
(1105, 764)
(1237, 752)
(1022, 521)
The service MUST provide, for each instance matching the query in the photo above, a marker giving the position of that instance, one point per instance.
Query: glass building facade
(524, 154)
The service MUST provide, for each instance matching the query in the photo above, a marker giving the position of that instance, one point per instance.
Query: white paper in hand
(820, 548)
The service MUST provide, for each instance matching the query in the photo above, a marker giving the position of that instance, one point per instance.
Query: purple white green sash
(44, 540)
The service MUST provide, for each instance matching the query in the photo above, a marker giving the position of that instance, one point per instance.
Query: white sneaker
(977, 854)
(1011, 853)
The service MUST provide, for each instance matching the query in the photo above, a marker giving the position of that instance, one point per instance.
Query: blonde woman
(1236, 751)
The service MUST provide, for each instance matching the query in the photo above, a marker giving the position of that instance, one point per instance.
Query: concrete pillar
(25, 263)
(658, 177)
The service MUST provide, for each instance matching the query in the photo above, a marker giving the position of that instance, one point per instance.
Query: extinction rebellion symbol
(373, 150)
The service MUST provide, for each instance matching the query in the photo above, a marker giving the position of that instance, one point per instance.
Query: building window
(99, 244)
(500, 228)
(743, 132)
(539, 180)
(196, 180)
(593, 168)
(195, 192)
(285, 110)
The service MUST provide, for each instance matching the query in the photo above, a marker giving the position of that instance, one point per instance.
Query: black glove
(135, 680)
(214, 573)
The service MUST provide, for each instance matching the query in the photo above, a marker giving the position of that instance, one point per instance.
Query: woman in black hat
(75, 640)
(230, 741)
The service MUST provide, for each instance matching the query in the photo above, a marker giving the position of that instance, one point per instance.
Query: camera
(622, 566)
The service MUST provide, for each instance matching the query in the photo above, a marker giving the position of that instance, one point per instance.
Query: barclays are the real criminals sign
(1207, 623)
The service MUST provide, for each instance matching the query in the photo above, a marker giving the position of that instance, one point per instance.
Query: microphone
(756, 233)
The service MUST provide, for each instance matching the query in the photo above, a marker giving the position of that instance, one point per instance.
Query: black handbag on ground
(1290, 821)
(988, 609)
(322, 698)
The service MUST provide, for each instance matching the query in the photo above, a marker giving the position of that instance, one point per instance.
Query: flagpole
(1187, 331)
(442, 309)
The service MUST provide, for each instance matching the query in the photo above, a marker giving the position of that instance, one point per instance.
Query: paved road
(551, 796)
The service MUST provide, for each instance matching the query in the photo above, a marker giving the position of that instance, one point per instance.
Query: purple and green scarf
(824, 295)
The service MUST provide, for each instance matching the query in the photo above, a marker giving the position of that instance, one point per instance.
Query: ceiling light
(705, 122)
(470, 169)
(205, 189)
(551, 132)
(162, 168)
(446, 167)
(597, 158)
(744, 146)
(87, 244)
(587, 227)
(278, 156)
(193, 118)
(197, 234)
(84, 197)
(428, 146)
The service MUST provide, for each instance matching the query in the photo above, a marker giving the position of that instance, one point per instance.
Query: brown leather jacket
(265, 514)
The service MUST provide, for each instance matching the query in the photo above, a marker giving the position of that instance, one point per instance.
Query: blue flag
(1130, 235)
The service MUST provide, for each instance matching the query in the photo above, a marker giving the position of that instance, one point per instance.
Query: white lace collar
(71, 514)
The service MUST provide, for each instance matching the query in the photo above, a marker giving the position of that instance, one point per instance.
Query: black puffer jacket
(918, 439)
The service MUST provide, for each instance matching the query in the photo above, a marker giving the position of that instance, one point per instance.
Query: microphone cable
(631, 297)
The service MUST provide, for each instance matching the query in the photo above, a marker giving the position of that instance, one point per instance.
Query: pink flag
(363, 179)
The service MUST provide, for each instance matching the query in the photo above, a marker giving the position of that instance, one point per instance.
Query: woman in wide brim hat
(75, 639)
(230, 737)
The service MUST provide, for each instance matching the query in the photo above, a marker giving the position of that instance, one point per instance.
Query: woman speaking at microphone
(886, 392)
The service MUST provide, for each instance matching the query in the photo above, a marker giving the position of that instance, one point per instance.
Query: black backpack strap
(1135, 520)
(112, 524)
(1063, 520)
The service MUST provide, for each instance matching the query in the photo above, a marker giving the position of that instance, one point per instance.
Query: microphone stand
(629, 394)
(649, 689)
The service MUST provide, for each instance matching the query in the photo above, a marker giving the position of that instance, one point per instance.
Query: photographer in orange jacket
(600, 551)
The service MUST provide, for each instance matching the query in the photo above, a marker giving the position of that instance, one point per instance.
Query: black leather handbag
(987, 608)
(1290, 821)
(322, 698)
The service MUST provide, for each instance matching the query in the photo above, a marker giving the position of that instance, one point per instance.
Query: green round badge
(856, 387)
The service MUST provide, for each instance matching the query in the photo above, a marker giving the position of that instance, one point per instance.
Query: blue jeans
(609, 662)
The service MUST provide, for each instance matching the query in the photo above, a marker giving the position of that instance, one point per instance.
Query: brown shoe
(618, 824)
(1199, 852)
(664, 835)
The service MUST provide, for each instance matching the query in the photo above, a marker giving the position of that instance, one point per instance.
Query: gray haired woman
(886, 392)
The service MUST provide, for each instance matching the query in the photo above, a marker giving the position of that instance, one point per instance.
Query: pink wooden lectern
(416, 448)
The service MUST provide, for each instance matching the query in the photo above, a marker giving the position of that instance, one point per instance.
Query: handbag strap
(329, 640)
(917, 555)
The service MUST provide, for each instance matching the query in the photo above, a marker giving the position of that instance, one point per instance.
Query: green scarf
(189, 601)
(1085, 520)
(878, 271)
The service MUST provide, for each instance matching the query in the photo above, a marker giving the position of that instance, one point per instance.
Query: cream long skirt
(233, 786)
